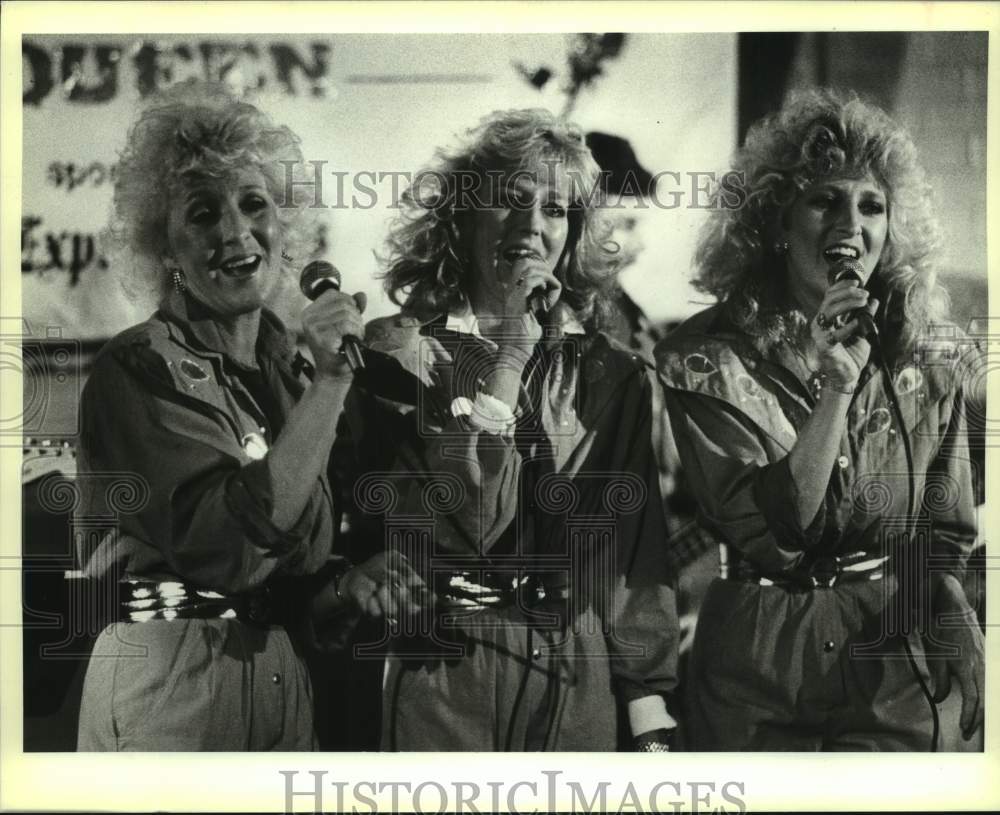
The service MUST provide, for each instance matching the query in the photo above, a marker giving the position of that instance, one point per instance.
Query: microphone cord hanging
(910, 510)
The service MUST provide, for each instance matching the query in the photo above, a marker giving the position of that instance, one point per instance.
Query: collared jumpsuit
(574, 493)
(171, 491)
(780, 669)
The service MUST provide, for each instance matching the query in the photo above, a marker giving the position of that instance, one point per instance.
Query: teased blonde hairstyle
(427, 271)
(820, 134)
(195, 129)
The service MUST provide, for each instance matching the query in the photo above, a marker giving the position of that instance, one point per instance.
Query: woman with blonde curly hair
(225, 544)
(821, 425)
(529, 455)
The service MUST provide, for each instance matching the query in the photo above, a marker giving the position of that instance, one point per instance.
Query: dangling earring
(177, 278)
(780, 247)
(446, 274)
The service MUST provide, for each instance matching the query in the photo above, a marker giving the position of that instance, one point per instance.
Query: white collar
(465, 322)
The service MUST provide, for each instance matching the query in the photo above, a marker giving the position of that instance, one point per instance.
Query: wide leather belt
(486, 589)
(143, 600)
(819, 573)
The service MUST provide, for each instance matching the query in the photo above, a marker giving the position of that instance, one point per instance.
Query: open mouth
(514, 254)
(239, 267)
(839, 251)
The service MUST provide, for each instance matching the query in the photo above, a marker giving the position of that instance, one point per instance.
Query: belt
(819, 573)
(142, 601)
(486, 589)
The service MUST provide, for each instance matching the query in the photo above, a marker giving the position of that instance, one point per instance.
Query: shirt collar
(194, 325)
(465, 322)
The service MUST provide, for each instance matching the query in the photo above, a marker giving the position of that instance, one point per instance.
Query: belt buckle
(824, 571)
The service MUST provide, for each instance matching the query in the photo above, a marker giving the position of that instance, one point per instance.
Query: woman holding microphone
(821, 426)
(200, 441)
(523, 486)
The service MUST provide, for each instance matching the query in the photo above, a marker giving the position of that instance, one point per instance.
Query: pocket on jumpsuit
(164, 700)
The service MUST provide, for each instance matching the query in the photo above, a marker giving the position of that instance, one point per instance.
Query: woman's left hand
(386, 586)
(955, 646)
(521, 328)
(843, 351)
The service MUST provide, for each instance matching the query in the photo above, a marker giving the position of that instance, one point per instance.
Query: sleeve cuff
(649, 713)
(486, 413)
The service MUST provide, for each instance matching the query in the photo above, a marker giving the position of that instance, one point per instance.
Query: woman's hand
(385, 586)
(325, 322)
(842, 351)
(520, 327)
(955, 646)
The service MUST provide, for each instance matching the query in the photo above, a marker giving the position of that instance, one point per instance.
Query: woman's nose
(234, 226)
(530, 219)
(849, 219)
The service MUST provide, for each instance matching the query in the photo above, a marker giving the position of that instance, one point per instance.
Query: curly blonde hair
(819, 134)
(195, 128)
(427, 271)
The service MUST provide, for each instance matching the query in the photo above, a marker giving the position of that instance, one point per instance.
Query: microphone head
(846, 269)
(538, 302)
(316, 272)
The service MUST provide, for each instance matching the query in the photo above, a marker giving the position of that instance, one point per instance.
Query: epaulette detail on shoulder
(619, 351)
(151, 353)
(139, 349)
(398, 336)
(606, 363)
(726, 369)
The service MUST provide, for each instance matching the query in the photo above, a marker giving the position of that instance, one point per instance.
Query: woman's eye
(254, 203)
(823, 201)
(555, 210)
(872, 208)
(515, 201)
(200, 215)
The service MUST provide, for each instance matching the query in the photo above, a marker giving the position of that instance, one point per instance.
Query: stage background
(362, 104)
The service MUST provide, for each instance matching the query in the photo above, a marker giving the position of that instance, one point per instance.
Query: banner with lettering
(370, 110)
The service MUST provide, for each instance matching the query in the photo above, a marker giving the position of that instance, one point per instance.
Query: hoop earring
(177, 278)
(780, 247)
(446, 275)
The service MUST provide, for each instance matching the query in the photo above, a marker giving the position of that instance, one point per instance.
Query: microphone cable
(911, 497)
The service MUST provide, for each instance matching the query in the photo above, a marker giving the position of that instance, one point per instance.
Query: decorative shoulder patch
(713, 368)
(192, 372)
(909, 380)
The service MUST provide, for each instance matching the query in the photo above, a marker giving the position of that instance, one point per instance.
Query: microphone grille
(845, 269)
(314, 272)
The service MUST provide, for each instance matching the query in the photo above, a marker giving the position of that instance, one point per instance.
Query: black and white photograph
(548, 382)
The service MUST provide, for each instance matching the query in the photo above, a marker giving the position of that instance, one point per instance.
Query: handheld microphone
(851, 269)
(320, 276)
(538, 303)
